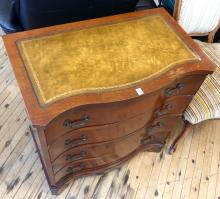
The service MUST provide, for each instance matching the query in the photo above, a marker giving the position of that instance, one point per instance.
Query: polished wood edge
(211, 35)
(41, 116)
(44, 156)
(177, 8)
(187, 129)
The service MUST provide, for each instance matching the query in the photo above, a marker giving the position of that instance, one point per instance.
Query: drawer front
(173, 105)
(100, 114)
(82, 167)
(187, 85)
(97, 134)
(109, 151)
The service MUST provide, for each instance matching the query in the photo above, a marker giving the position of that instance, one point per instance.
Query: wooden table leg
(187, 129)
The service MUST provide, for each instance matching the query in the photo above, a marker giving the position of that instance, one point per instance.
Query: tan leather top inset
(101, 58)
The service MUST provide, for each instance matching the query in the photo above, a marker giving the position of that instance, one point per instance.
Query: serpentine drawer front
(100, 91)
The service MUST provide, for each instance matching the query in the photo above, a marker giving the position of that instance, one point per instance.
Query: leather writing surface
(102, 57)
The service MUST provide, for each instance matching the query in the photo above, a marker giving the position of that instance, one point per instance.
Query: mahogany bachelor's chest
(99, 91)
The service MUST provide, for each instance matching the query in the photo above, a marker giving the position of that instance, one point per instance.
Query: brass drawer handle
(76, 124)
(174, 90)
(166, 108)
(154, 126)
(75, 142)
(75, 157)
(75, 169)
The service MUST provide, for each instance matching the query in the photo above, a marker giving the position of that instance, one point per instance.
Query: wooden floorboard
(193, 171)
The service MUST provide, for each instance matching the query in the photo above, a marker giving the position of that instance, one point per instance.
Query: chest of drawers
(100, 91)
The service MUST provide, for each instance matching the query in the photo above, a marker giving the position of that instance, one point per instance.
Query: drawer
(96, 134)
(84, 166)
(187, 85)
(109, 151)
(99, 114)
(174, 105)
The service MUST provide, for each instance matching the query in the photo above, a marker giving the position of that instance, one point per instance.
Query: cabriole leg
(187, 129)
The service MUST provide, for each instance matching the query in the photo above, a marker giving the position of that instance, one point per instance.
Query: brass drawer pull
(75, 169)
(75, 157)
(75, 142)
(166, 108)
(174, 90)
(154, 126)
(77, 124)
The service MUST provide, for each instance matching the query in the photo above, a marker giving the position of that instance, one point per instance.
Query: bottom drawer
(94, 164)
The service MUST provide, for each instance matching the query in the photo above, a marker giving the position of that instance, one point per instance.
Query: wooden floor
(192, 172)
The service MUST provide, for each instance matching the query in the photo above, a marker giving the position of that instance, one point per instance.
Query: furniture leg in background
(187, 129)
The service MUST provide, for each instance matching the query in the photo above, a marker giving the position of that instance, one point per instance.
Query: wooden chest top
(100, 61)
